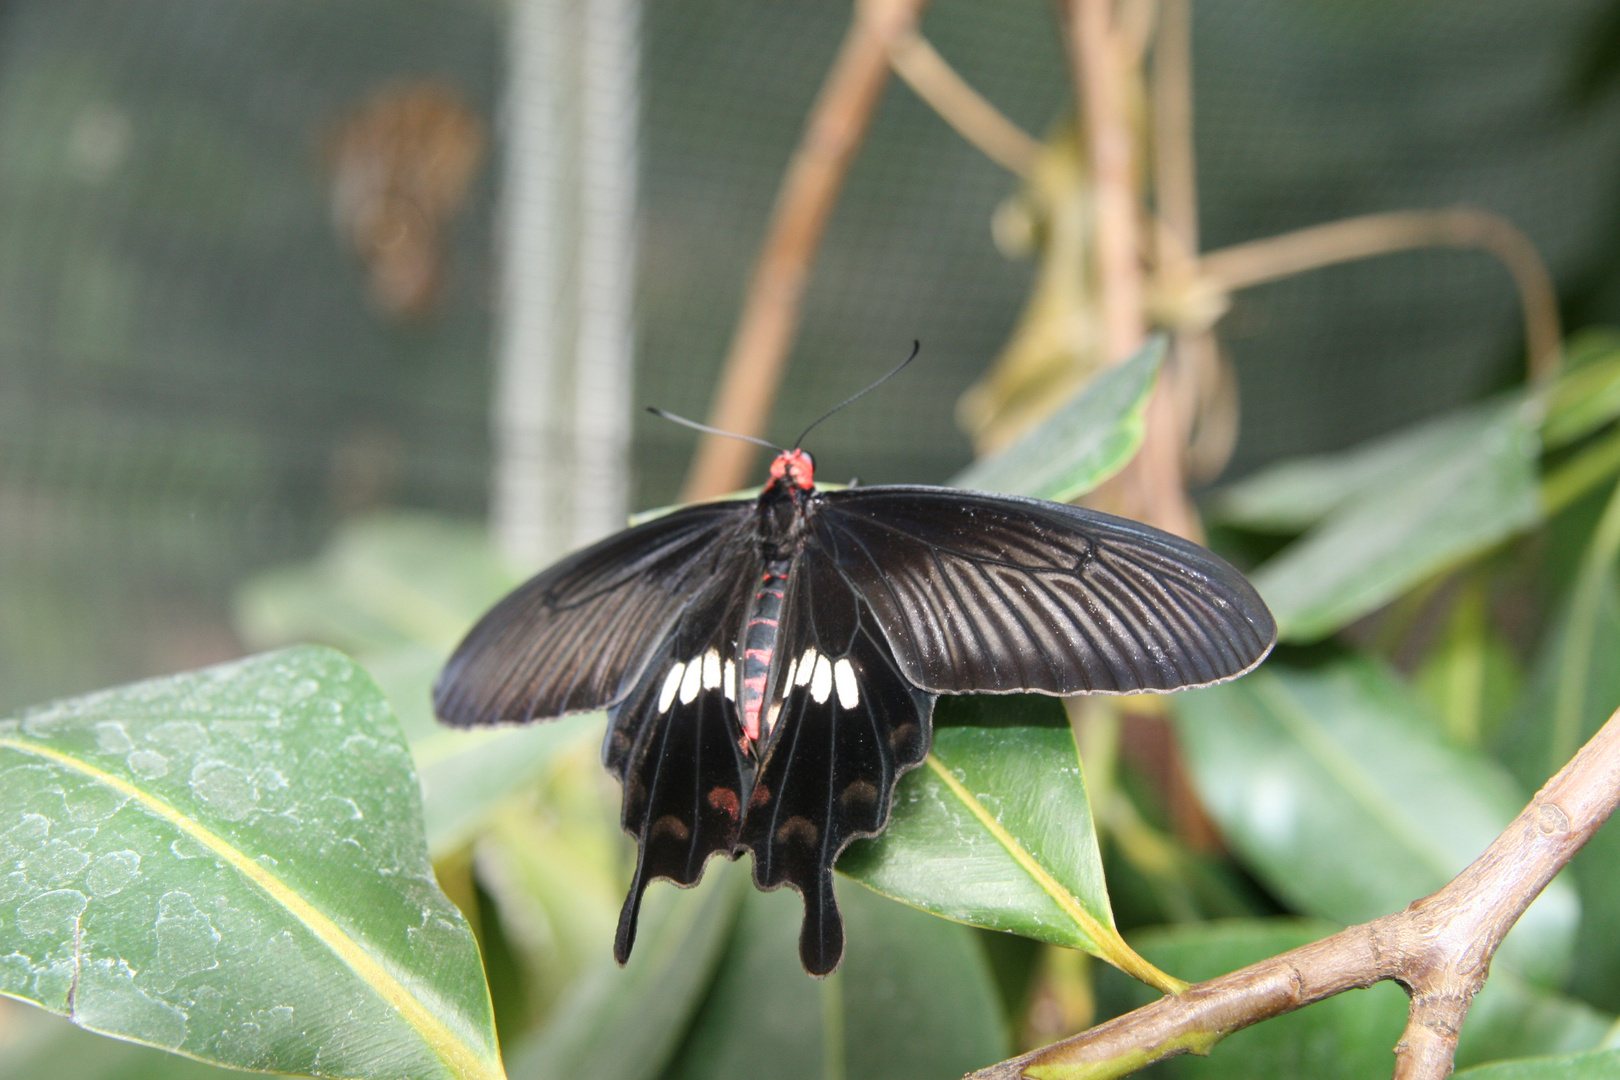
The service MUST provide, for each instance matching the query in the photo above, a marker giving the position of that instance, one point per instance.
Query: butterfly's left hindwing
(675, 743)
(848, 725)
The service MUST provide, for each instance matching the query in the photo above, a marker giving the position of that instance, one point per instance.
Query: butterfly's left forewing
(846, 725)
(576, 636)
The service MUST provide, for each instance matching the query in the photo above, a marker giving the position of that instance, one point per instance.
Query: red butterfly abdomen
(759, 645)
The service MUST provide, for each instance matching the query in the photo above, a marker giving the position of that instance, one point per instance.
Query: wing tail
(846, 732)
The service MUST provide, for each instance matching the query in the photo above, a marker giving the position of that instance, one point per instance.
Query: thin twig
(1151, 485)
(961, 106)
(1439, 948)
(1257, 261)
(837, 124)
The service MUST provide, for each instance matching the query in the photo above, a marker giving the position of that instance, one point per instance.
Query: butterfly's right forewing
(579, 635)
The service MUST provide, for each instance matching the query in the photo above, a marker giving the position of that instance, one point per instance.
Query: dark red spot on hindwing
(724, 800)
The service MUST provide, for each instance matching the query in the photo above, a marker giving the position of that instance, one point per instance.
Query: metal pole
(561, 413)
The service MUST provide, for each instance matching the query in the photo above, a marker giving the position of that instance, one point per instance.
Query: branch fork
(1439, 949)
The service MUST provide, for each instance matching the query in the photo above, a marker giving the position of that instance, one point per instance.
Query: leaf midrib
(1105, 940)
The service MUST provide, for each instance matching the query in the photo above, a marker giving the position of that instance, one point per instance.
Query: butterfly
(769, 666)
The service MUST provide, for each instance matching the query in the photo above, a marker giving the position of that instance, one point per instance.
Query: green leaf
(381, 583)
(1574, 688)
(1349, 1035)
(230, 864)
(1596, 870)
(995, 831)
(1082, 444)
(557, 865)
(41, 1046)
(1511, 1018)
(1391, 514)
(1471, 676)
(467, 774)
(914, 999)
(1336, 790)
(1598, 1065)
(1294, 495)
(1574, 683)
(1587, 393)
(625, 1023)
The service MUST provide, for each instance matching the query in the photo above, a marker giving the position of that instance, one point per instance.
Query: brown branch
(1151, 488)
(1094, 48)
(1439, 949)
(1258, 261)
(815, 175)
(1205, 402)
(959, 105)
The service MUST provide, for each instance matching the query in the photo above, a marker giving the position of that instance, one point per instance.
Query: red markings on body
(796, 467)
(763, 622)
(751, 722)
(762, 655)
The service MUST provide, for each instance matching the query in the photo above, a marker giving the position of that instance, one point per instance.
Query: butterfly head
(796, 468)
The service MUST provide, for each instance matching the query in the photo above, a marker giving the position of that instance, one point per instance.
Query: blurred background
(258, 262)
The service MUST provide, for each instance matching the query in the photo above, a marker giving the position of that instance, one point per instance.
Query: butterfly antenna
(694, 425)
(916, 347)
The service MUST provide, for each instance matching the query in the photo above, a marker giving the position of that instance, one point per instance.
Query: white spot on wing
(672, 683)
(807, 666)
(821, 680)
(787, 680)
(691, 681)
(849, 693)
(711, 670)
(770, 720)
(730, 680)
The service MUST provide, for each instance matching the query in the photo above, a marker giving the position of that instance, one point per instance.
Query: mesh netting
(196, 380)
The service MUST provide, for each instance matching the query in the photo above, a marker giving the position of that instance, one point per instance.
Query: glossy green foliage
(997, 834)
(1316, 776)
(1082, 444)
(230, 864)
(914, 998)
(1587, 398)
(1387, 516)
(623, 1024)
(39, 1046)
(1597, 1065)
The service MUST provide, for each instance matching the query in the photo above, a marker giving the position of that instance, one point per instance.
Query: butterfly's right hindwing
(578, 635)
(848, 725)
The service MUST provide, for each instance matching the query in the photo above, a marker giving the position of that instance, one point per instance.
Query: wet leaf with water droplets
(230, 864)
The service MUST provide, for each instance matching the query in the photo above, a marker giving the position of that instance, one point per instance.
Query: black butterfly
(770, 666)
